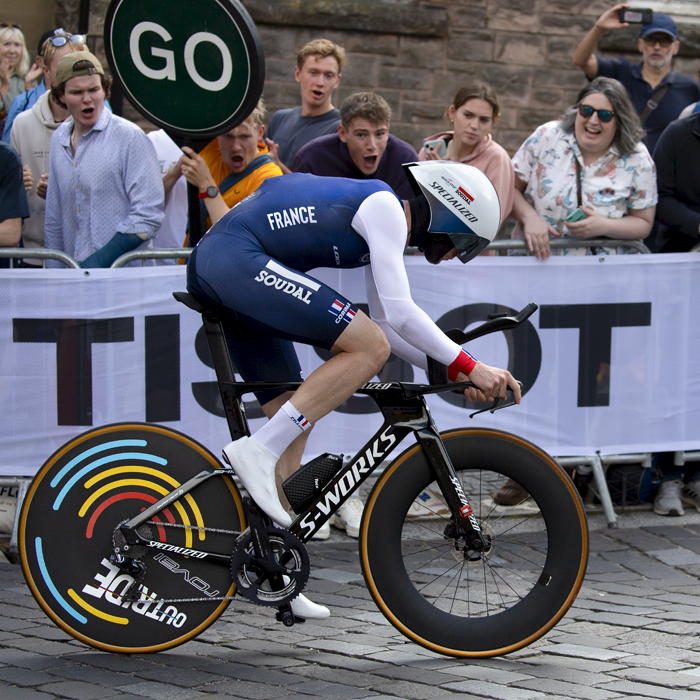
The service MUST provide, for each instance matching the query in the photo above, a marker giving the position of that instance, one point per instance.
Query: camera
(635, 16)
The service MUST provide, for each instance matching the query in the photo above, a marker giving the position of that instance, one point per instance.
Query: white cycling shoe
(255, 467)
(308, 610)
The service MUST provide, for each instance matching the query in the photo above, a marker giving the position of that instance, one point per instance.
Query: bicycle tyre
(83, 491)
(509, 597)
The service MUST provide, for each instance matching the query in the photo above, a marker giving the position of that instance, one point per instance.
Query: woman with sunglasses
(14, 64)
(596, 149)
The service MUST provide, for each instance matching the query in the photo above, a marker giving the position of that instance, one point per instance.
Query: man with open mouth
(363, 148)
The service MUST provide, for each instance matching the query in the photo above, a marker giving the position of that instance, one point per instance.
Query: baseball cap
(67, 66)
(44, 37)
(660, 24)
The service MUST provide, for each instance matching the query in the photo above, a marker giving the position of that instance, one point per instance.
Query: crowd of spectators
(617, 164)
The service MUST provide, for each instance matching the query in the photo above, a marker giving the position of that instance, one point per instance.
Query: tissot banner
(610, 361)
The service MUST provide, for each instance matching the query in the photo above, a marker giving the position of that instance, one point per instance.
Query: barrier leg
(603, 492)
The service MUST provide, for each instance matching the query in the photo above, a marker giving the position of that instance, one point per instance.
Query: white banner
(610, 360)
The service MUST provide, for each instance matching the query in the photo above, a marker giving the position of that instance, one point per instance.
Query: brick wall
(417, 54)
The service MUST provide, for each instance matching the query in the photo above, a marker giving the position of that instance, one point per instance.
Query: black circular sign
(192, 68)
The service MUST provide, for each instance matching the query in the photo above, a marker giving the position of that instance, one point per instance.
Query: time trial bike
(134, 537)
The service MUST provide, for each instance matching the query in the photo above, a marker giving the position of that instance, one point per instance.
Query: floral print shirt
(611, 185)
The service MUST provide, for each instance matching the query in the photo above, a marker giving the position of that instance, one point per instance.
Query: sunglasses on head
(586, 111)
(4, 25)
(61, 38)
(664, 39)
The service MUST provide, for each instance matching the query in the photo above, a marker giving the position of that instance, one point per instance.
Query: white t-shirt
(172, 232)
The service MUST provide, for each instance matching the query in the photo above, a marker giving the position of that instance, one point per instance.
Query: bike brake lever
(497, 405)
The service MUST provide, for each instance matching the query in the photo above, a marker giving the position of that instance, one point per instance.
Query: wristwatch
(211, 191)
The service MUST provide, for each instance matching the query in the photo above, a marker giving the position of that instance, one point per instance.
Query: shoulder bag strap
(653, 103)
(233, 179)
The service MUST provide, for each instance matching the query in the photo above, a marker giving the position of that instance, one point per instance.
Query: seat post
(218, 347)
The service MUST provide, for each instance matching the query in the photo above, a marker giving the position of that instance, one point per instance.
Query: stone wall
(417, 53)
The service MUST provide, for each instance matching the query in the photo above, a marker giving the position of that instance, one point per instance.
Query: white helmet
(463, 203)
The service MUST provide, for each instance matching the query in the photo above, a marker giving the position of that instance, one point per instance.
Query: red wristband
(464, 363)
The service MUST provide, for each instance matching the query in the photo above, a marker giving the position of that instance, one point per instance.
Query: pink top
(494, 162)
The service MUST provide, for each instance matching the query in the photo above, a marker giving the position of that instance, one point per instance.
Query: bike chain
(194, 527)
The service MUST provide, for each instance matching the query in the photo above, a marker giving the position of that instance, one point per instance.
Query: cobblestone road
(632, 633)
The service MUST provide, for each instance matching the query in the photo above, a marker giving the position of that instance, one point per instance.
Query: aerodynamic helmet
(463, 203)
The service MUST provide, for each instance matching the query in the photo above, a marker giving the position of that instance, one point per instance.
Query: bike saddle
(188, 300)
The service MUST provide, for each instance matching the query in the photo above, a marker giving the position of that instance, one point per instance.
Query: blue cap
(660, 24)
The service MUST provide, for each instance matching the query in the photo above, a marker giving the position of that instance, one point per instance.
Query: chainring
(253, 579)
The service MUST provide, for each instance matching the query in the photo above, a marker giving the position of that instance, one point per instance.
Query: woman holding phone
(473, 113)
(586, 176)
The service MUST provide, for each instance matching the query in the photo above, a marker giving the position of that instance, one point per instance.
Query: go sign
(192, 68)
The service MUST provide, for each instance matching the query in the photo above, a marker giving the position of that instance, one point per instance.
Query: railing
(152, 254)
(21, 484)
(511, 244)
(42, 253)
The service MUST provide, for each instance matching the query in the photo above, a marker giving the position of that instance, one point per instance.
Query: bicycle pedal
(302, 486)
(286, 616)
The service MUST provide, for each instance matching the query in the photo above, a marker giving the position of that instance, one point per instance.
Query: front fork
(465, 521)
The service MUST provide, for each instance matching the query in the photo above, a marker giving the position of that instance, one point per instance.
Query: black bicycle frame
(405, 411)
(402, 405)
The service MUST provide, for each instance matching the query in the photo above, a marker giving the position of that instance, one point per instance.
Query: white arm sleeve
(380, 220)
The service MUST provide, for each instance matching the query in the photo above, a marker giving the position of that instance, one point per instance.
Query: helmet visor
(468, 247)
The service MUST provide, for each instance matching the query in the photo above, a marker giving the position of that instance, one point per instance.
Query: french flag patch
(301, 421)
(336, 307)
(343, 312)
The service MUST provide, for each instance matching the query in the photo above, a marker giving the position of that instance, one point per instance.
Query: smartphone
(636, 16)
(438, 146)
(576, 215)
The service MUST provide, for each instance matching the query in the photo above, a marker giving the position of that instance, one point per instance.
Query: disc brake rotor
(256, 582)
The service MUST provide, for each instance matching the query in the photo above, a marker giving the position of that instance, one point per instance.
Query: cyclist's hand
(492, 383)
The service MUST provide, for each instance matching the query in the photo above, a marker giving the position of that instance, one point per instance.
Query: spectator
(31, 136)
(678, 174)
(596, 152)
(14, 64)
(473, 113)
(318, 73)
(657, 93)
(105, 195)
(28, 99)
(13, 199)
(363, 148)
(230, 167)
(173, 229)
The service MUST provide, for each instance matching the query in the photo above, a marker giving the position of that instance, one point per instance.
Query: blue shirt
(112, 184)
(13, 198)
(20, 104)
(304, 221)
(681, 92)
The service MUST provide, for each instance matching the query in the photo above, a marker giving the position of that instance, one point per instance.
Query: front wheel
(435, 590)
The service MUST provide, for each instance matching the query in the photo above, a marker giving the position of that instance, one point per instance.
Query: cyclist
(251, 268)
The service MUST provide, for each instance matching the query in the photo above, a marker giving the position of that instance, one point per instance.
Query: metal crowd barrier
(42, 253)
(152, 254)
(511, 244)
(597, 463)
(21, 484)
